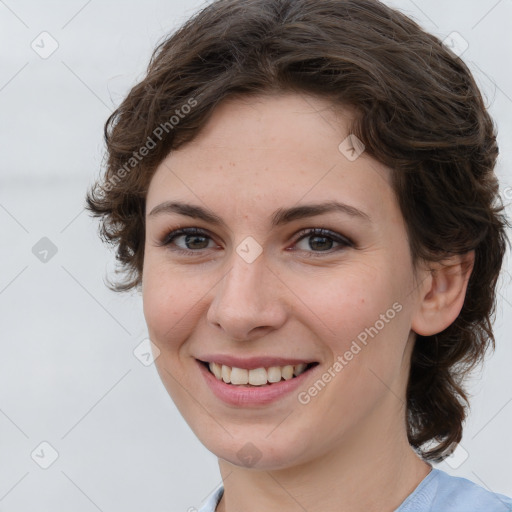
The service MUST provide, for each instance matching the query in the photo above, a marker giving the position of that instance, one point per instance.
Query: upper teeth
(256, 377)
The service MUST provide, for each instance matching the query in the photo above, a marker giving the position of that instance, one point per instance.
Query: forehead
(274, 151)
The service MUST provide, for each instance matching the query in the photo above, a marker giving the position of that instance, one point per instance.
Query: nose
(249, 302)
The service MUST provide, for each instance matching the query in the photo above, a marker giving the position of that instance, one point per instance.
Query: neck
(370, 474)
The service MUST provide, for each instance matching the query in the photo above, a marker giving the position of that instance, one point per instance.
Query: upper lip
(250, 363)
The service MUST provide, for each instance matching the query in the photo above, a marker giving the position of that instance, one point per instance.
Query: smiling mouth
(257, 376)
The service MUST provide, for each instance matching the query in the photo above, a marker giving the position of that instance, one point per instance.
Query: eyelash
(324, 233)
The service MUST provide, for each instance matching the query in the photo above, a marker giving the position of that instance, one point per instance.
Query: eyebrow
(280, 217)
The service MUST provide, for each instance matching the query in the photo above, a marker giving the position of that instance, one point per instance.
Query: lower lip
(242, 396)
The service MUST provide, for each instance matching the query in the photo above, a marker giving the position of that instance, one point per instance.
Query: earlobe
(441, 295)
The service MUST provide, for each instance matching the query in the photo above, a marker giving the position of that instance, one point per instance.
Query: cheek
(170, 311)
(362, 322)
(360, 317)
(347, 302)
(168, 303)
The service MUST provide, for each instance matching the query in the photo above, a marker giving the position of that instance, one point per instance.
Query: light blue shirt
(437, 492)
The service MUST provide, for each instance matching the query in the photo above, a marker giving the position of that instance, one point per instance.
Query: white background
(68, 375)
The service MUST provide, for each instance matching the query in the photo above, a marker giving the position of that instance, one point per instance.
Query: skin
(347, 449)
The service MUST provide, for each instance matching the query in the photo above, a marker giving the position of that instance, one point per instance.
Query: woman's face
(255, 287)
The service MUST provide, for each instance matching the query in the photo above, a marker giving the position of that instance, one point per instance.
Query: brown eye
(322, 240)
(193, 240)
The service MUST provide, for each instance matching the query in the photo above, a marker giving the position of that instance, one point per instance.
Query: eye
(194, 240)
(320, 241)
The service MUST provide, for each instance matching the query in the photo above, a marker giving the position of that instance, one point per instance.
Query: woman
(304, 194)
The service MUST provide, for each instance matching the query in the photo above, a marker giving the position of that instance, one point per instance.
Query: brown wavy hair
(419, 111)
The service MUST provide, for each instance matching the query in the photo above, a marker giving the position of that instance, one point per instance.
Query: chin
(256, 452)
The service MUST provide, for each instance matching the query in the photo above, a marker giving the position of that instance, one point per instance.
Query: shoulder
(441, 491)
(454, 491)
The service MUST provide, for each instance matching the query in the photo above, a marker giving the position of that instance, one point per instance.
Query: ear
(442, 293)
